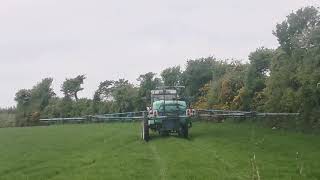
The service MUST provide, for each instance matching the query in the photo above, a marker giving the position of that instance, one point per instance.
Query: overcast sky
(111, 39)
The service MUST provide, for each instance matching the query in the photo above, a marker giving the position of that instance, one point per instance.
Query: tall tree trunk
(76, 96)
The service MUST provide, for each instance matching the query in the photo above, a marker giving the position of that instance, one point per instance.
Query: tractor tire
(185, 131)
(164, 133)
(145, 132)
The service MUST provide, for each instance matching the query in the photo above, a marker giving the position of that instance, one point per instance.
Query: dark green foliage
(124, 95)
(71, 87)
(292, 85)
(111, 96)
(41, 94)
(23, 98)
(171, 76)
(282, 85)
(148, 82)
(297, 24)
(31, 102)
(101, 100)
(255, 79)
(62, 107)
(104, 91)
(198, 72)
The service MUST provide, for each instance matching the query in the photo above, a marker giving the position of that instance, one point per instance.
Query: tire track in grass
(161, 163)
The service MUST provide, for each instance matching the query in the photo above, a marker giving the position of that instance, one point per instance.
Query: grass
(115, 151)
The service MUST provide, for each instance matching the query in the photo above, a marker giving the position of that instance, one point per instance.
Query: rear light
(190, 112)
(193, 112)
(155, 113)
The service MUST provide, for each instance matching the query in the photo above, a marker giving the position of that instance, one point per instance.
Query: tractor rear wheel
(145, 131)
(184, 131)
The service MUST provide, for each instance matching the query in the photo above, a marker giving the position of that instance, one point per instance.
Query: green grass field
(115, 151)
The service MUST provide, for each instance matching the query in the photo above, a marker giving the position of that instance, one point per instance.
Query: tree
(171, 76)
(42, 93)
(255, 78)
(294, 69)
(295, 26)
(222, 91)
(124, 95)
(22, 98)
(104, 91)
(101, 98)
(225, 86)
(148, 82)
(32, 102)
(71, 87)
(54, 109)
(198, 72)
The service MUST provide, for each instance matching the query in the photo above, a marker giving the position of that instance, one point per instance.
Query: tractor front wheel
(145, 131)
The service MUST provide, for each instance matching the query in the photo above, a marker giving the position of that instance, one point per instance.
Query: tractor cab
(169, 107)
(166, 101)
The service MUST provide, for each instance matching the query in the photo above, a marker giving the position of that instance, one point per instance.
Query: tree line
(285, 79)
